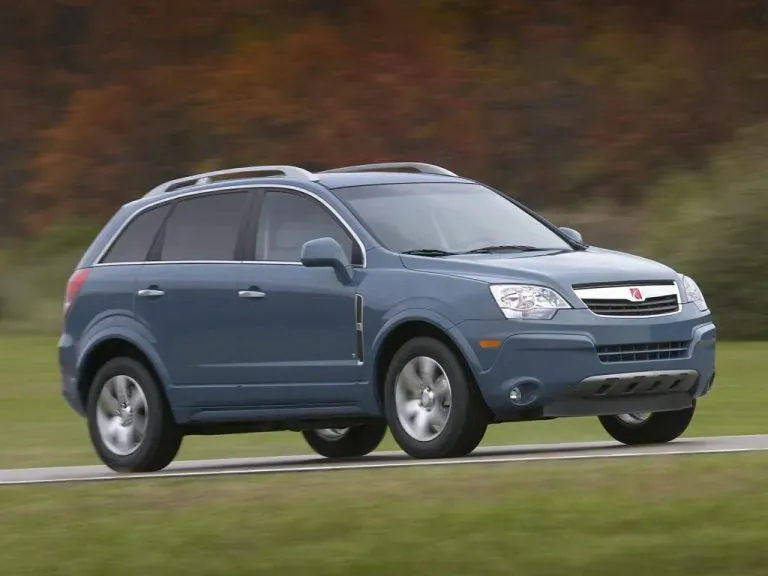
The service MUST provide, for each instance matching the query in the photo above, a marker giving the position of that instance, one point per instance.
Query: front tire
(656, 428)
(432, 405)
(353, 442)
(129, 421)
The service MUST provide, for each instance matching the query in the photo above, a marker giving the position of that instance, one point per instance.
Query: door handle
(251, 294)
(150, 293)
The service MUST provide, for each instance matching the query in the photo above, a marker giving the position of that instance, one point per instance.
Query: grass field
(38, 429)
(702, 515)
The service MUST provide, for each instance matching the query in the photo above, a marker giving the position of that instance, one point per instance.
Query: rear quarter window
(134, 242)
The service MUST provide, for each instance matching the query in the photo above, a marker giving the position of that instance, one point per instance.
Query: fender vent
(359, 341)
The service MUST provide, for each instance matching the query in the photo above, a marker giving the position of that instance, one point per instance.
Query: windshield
(446, 218)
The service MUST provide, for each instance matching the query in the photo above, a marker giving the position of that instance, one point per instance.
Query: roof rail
(208, 177)
(396, 167)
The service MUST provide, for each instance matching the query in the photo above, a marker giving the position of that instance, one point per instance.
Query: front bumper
(582, 365)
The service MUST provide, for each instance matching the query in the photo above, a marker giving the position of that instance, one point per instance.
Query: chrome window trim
(98, 261)
(620, 293)
(176, 262)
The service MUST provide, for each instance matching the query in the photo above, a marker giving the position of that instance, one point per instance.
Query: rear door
(112, 281)
(188, 295)
(302, 333)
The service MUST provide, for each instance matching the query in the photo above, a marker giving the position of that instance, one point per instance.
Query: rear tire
(129, 421)
(423, 374)
(353, 442)
(658, 428)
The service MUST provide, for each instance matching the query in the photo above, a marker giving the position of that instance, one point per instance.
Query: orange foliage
(552, 101)
(316, 96)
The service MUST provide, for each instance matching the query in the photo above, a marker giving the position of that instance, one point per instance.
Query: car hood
(593, 265)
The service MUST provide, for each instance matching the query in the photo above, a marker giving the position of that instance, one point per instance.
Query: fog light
(515, 395)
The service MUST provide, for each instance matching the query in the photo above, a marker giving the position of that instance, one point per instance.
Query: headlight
(693, 294)
(527, 302)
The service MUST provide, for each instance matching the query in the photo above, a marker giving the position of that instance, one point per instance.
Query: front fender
(436, 319)
(428, 308)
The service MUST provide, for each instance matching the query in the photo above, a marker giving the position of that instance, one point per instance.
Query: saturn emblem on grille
(636, 295)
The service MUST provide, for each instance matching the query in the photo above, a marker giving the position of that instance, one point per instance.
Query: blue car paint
(235, 360)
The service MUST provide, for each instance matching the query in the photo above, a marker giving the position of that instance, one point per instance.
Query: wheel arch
(400, 332)
(107, 348)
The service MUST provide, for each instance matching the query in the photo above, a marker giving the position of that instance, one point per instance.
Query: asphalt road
(296, 464)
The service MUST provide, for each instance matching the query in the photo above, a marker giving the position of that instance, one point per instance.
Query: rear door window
(205, 227)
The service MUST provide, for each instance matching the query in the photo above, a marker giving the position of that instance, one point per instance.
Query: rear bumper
(67, 367)
(559, 372)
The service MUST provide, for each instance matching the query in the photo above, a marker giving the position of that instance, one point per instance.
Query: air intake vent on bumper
(641, 352)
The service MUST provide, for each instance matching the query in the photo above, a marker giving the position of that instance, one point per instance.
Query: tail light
(74, 284)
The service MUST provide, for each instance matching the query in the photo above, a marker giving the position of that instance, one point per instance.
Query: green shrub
(32, 294)
(33, 277)
(713, 226)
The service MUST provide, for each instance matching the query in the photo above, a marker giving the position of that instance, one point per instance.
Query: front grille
(625, 308)
(640, 352)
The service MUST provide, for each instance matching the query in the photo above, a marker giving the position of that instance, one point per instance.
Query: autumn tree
(556, 102)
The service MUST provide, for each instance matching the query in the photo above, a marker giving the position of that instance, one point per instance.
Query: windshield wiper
(429, 252)
(506, 248)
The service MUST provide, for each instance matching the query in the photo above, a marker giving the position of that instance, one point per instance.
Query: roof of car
(293, 176)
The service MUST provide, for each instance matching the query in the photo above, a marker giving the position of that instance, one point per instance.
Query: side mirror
(327, 253)
(572, 234)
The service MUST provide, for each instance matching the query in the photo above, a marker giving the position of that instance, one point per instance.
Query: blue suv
(347, 302)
